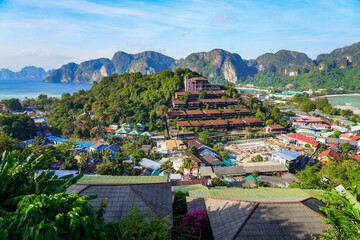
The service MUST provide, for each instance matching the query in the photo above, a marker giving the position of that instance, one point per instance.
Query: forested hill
(94, 70)
(130, 97)
(340, 68)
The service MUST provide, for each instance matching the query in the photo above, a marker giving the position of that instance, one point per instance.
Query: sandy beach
(356, 110)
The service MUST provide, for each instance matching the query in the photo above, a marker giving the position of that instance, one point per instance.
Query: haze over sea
(32, 88)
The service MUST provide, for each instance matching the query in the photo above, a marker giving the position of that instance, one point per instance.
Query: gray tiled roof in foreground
(282, 221)
(155, 197)
(232, 219)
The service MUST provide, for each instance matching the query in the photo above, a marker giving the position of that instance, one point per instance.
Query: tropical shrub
(19, 178)
(198, 219)
(218, 182)
(343, 213)
(59, 216)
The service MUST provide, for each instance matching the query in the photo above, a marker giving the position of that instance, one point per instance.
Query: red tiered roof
(330, 153)
(303, 138)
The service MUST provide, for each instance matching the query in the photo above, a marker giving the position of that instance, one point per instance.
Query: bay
(32, 88)
(344, 100)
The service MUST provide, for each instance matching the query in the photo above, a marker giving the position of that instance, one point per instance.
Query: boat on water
(348, 104)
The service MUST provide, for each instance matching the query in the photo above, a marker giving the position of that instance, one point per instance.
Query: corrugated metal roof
(288, 155)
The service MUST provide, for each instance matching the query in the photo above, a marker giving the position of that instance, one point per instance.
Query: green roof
(147, 134)
(251, 176)
(121, 179)
(135, 132)
(188, 188)
(126, 125)
(344, 121)
(122, 130)
(250, 193)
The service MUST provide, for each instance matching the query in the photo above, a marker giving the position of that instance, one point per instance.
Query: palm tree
(167, 167)
(83, 158)
(188, 163)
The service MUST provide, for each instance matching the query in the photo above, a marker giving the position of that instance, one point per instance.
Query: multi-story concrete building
(199, 83)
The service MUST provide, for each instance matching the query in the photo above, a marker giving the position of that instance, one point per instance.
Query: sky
(50, 33)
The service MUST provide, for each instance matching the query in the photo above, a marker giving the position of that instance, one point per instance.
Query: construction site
(246, 150)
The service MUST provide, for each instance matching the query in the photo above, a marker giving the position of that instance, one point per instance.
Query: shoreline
(338, 95)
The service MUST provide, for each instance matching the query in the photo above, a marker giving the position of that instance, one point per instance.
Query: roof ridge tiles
(245, 221)
(145, 201)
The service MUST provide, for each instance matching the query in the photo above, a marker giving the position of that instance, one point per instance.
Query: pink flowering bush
(196, 219)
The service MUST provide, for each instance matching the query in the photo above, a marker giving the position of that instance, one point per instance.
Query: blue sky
(50, 33)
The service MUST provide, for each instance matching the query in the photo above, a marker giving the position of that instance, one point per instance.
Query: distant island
(29, 72)
(340, 68)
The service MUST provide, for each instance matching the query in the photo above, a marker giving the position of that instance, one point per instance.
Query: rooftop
(231, 219)
(218, 122)
(264, 167)
(155, 197)
(303, 138)
(194, 112)
(211, 111)
(276, 126)
(120, 179)
(195, 123)
(183, 124)
(288, 155)
(251, 120)
(227, 110)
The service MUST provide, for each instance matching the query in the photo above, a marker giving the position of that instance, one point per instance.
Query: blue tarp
(206, 152)
(61, 140)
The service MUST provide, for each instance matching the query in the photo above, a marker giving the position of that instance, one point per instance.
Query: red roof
(178, 102)
(227, 110)
(199, 79)
(193, 102)
(305, 139)
(356, 138)
(230, 100)
(321, 125)
(206, 100)
(194, 112)
(276, 126)
(251, 120)
(218, 122)
(218, 100)
(356, 157)
(183, 124)
(330, 153)
(211, 111)
(243, 110)
(177, 113)
(195, 124)
(206, 123)
(235, 121)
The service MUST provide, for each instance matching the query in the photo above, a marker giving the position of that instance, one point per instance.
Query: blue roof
(141, 125)
(207, 151)
(288, 155)
(61, 140)
(341, 129)
(149, 164)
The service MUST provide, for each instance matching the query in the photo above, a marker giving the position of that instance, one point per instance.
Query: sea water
(343, 100)
(32, 88)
